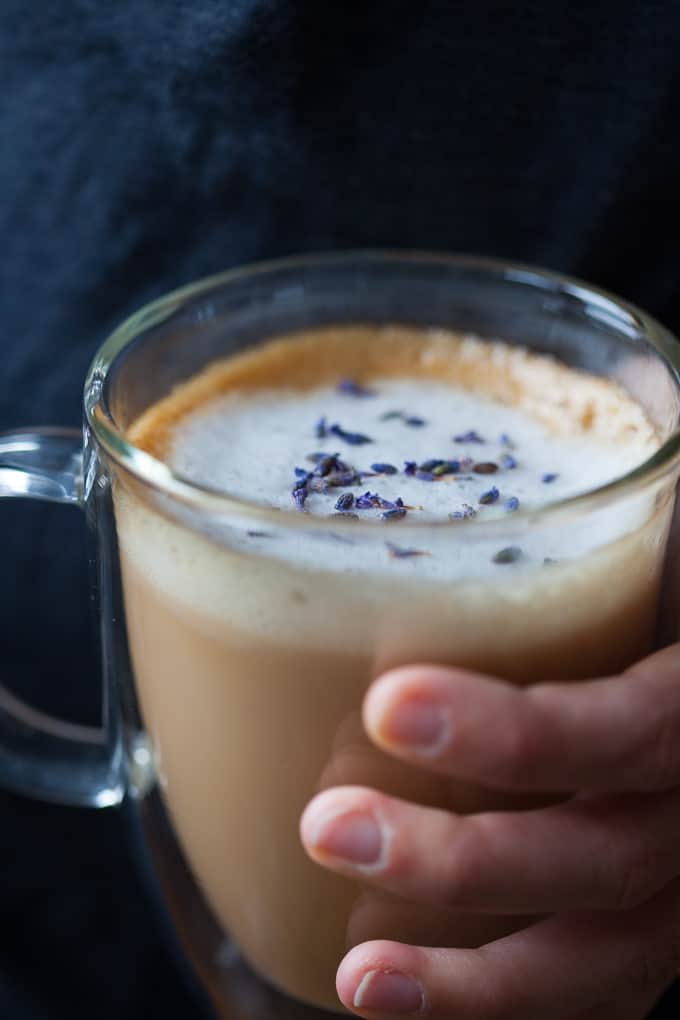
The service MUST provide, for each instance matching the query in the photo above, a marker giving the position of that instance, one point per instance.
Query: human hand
(602, 868)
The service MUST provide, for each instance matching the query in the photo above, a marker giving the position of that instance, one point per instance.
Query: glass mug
(233, 676)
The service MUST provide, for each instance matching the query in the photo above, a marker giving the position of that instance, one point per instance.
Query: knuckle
(520, 754)
(637, 878)
(462, 864)
(654, 968)
(665, 751)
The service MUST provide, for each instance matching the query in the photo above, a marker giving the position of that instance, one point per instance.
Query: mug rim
(159, 476)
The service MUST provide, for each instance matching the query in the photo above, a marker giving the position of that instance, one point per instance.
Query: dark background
(148, 142)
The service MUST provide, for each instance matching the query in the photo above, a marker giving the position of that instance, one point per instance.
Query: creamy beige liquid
(252, 653)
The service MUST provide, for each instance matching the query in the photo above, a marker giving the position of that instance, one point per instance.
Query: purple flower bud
(468, 437)
(400, 553)
(345, 501)
(351, 388)
(490, 496)
(353, 438)
(394, 514)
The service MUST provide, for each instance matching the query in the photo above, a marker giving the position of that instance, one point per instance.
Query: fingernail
(354, 837)
(418, 725)
(389, 992)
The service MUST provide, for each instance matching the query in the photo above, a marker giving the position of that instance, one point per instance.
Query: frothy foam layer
(249, 439)
(437, 447)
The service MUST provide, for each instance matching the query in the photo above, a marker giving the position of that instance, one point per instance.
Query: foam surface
(248, 444)
(290, 582)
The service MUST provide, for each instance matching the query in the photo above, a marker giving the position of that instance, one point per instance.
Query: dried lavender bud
(321, 429)
(351, 388)
(338, 479)
(302, 475)
(318, 485)
(391, 415)
(399, 501)
(394, 514)
(508, 555)
(424, 476)
(259, 534)
(353, 438)
(415, 421)
(345, 513)
(430, 465)
(345, 502)
(486, 467)
(469, 437)
(446, 467)
(326, 464)
(549, 477)
(384, 469)
(400, 553)
(505, 440)
(299, 496)
(511, 504)
(508, 461)
(490, 496)
(466, 512)
(365, 502)
(410, 467)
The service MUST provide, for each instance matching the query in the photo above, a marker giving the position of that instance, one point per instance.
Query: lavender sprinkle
(299, 496)
(321, 429)
(353, 438)
(345, 502)
(424, 476)
(468, 437)
(511, 504)
(345, 513)
(466, 512)
(508, 461)
(347, 476)
(391, 415)
(410, 467)
(394, 514)
(505, 440)
(549, 477)
(384, 469)
(508, 555)
(446, 467)
(490, 496)
(415, 421)
(351, 388)
(399, 553)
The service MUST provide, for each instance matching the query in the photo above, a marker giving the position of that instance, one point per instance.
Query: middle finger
(585, 854)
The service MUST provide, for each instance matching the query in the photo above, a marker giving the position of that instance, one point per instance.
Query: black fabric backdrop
(147, 142)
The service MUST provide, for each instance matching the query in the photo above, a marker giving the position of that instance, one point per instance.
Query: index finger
(617, 734)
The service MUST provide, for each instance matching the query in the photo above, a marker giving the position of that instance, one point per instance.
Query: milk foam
(259, 575)
(248, 444)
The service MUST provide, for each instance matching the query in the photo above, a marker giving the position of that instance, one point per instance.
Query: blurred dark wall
(147, 143)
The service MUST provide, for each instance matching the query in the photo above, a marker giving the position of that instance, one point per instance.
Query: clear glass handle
(40, 755)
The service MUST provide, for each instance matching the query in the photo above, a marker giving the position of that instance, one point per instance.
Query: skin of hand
(601, 868)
